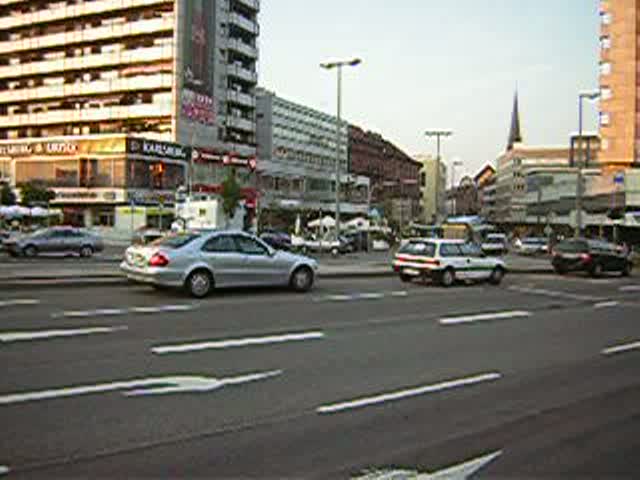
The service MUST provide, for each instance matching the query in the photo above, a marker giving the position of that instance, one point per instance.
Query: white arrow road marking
(239, 342)
(606, 304)
(142, 386)
(456, 472)
(484, 317)
(42, 334)
(19, 301)
(4, 470)
(123, 311)
(621, 348)
(393, 396)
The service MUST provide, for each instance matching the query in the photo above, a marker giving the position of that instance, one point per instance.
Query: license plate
(411, 271)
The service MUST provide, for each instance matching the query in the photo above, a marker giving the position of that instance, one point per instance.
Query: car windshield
(175, 241)
(426, 249)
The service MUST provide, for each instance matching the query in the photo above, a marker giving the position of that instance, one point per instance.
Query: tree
(231, 195)
(7, 197)
(33, 193)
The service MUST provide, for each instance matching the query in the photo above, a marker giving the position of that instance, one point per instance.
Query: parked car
(592, 256)
(200, 261)
(495, 244)
(56, 241)
(327, 244)
(276, 239)
(532, 246)
(358, 240)
(446, 261)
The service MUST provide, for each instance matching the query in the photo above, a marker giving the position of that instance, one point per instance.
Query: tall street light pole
(589, 95)
(338, 64)
(438, 134)
(454, 164)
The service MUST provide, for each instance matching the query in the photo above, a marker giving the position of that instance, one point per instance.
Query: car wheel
(30, 251)
(448, 277)
(302, 279)
(496, 276)
(86, 251)
(405, 278)
(596, 270)
(199, 283)
(626, 271)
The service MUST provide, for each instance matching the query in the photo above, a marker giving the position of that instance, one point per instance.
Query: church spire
(515, 136)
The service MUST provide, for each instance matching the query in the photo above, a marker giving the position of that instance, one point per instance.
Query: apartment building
(485, 181)
(298, 148)
(171, 73)
(619, 82)
(433, 188)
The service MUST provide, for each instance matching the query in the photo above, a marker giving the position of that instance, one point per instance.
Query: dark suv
(592, 256)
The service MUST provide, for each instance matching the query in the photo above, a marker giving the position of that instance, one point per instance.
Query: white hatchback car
(446, 261)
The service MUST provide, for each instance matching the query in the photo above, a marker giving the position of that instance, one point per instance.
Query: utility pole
(438, 133)
(590, 95)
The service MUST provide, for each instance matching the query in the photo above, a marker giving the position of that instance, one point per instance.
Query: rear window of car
(572, 246)
(496, 237)
(426, 249)
(534, 241)
(175, 241)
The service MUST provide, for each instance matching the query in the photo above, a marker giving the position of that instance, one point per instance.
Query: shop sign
(87, 196)
(38, 148)
(152, 148)
(150, 197)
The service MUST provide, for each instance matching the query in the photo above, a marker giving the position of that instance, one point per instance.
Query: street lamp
(589, 95)
(338, 64)
(454, 164)
(438, 134)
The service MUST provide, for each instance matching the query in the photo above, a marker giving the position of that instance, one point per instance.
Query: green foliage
(7, 197)
(231, 194)
(33, 193)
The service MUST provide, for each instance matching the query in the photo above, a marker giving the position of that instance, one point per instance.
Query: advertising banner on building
(197, 103)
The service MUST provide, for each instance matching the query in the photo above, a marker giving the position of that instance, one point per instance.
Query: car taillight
(585, 257)
(158, 260)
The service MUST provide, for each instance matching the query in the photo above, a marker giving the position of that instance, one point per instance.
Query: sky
(438, 64)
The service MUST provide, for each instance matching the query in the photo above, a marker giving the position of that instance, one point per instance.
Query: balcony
(101, 87)
(242, 73)
(244, 23)
(142, 27)
(243, 99)
(243, 48)
(74, 11)
(151, 110)
(89, 61)
(240, 123)
(252, 4)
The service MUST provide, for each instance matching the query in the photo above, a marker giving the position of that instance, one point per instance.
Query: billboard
(197, 103)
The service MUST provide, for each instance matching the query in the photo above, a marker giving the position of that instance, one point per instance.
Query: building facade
(394, 175)
(485, 181)
(173, 72)
(620, 82)
(297, 148)
(433, 188)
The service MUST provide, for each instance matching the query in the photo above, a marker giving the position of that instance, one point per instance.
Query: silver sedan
(201, 261)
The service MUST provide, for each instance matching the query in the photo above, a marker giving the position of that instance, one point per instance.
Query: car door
(452, 256)
(52, 242)
(480, 264)
(261, 268)
(225, 259)
(72, 241)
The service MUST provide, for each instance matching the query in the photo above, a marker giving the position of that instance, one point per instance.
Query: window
(471, 250)
(175, 241)
(606, 93)
(220, 244)
(249, 246)
(605, 42)
(419, 248)
(605, 68)
(605, 118)
(605, 18)
(450, 250)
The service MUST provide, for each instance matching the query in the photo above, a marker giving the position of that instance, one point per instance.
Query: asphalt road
(537, 378)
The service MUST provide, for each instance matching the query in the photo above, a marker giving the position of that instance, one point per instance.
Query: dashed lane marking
(106, 312)
(621, 348)
(483, 317)
(8, 337)
(402, 394)
(353, 297)
(630, 288)
(15, 302)
(554, 293)
(237, 342)
(606, 304)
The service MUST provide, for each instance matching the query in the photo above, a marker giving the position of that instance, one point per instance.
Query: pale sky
(434, 64)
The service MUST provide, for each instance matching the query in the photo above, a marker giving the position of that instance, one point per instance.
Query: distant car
(358, 240)
(276, 239)
(202, 261)
(495, 244)
(55, 241)
(446, 261)
(328, 244)
(532, 246)
(592, 256)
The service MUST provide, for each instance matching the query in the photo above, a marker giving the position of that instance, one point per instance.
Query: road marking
(142, 386)
(4, 470)
(399, 395)
(606, 304)
(18, 302)
(107, 312)
(630, 288)
(456, 472)
(43, 334)
(363, 296)
(340, 298)
(552, 293)
(369, 296)
(401, 293)
(483, 317)
(621, 348)
(240, 342)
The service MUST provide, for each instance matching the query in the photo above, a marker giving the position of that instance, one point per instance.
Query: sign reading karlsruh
(153, 148)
